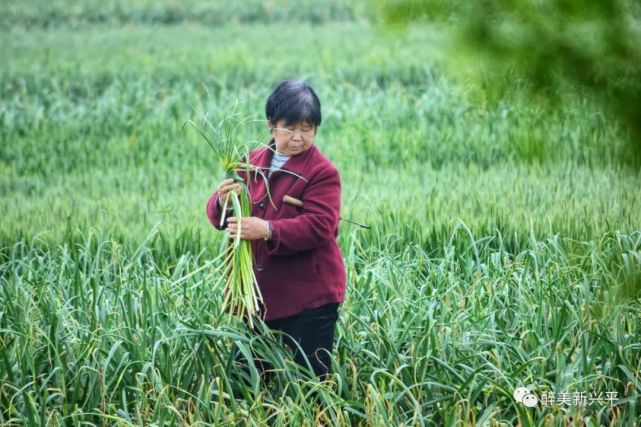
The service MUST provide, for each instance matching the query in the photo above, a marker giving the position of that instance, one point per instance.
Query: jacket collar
(296, 164)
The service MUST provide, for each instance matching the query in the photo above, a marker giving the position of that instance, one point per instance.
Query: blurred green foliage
(551, 47)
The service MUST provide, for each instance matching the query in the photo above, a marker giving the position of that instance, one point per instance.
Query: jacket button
(259, 268)
(262, 204)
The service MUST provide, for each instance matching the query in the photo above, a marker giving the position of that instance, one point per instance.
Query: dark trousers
(313, 330)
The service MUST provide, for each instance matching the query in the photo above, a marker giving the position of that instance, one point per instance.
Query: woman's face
(292, 139)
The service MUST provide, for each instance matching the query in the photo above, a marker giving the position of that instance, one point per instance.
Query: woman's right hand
(224, 188)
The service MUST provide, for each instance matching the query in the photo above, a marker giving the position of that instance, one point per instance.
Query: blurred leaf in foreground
(551, 47)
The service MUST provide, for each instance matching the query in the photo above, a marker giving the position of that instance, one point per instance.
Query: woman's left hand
(252, 228)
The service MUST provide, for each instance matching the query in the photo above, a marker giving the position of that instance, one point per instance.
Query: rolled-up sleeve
(318, 221)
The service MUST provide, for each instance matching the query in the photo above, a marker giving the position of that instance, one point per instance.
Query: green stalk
(244, 300)
(243, 292)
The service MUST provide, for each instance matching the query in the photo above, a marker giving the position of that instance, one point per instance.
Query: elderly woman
(297, 261)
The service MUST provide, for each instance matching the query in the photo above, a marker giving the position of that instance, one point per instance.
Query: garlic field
(504, 247)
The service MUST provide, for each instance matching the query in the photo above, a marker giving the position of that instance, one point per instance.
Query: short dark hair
(295, 101)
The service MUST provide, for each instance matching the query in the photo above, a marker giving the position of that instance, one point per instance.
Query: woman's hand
(224, 188)
(252, 228)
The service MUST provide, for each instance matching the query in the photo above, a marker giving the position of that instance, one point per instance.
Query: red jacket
(301, 267)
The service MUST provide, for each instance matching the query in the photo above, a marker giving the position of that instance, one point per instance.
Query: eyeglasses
(285, 133)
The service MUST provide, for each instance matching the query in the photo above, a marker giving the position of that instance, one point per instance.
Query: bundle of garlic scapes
(243, 295)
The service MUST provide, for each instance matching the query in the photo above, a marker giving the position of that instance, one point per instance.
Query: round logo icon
(525, 396)
(520, 393)
(530, 400)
